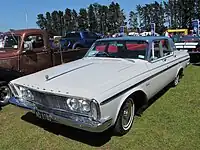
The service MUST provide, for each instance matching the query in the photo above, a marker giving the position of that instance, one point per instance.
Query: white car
(105, 88)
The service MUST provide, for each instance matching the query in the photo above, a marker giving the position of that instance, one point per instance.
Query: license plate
(43, 115)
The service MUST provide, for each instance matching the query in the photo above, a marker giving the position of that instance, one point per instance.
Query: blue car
(78, 39)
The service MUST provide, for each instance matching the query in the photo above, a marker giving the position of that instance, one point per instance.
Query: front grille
(50, 100)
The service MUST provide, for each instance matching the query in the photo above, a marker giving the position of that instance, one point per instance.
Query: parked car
(27, 51)
(192, 45)
(105, 88)
(78, 39)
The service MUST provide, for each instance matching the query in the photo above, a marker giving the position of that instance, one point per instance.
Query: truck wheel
(5, 94)
(125, 118)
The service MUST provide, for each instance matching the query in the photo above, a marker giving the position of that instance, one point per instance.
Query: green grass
(172, 122)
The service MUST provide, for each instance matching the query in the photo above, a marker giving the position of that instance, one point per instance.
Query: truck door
(34, 55)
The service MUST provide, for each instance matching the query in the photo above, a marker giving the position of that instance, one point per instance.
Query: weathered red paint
(41, 58)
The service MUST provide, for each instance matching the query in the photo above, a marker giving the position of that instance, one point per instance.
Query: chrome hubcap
(128, 114)
(177, 80)
(5, 93)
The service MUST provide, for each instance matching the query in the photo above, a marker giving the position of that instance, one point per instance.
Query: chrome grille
(50, 100)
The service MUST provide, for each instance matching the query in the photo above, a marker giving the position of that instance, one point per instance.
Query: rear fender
(77, 44)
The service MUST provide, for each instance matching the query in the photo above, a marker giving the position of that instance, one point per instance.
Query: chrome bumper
(91, 126)
(80, 122)
(20, 103)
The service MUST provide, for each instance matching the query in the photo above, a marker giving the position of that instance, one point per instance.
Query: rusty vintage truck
(23, 52)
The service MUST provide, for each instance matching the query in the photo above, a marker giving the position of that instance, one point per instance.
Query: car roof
(141, 38)
(22, 31)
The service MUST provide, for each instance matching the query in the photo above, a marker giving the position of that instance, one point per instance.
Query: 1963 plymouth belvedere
(105, 88)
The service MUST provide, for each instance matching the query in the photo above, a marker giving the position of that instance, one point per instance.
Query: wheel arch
(135, 95)
(180, 71)
(77, 44)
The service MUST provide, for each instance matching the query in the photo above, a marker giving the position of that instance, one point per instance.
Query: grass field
(171, 122)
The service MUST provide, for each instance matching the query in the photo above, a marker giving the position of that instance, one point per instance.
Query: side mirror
(28, 46)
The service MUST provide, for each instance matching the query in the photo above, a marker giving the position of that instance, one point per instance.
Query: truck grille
(50, 100)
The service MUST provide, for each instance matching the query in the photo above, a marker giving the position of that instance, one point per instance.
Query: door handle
(164, 59)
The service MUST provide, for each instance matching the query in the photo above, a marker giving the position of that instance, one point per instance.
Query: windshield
(9, 42)
(134, 49)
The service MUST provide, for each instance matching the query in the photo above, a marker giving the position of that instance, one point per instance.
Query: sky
(14, 11)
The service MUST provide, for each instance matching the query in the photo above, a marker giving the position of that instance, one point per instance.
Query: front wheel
(5, 94)
(125, 118)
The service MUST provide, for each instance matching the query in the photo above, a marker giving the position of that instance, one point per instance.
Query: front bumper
(20, 103)
(79, 123)
(68, 119)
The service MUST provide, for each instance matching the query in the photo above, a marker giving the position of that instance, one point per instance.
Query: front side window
(156, 50)
(135, 49)
(167, 49)
(35, 41)
(160, 48)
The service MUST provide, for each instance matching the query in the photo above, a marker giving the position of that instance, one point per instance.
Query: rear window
(90, 35)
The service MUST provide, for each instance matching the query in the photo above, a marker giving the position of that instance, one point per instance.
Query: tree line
(103, 19)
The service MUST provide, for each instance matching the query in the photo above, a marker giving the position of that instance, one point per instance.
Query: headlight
(78, 105)
(25, 93)
(85, 106)
(95, 111)
(72, 104)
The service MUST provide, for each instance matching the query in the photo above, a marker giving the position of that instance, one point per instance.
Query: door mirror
(28, 46)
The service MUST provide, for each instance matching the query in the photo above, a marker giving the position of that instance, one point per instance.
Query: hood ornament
(46, 77)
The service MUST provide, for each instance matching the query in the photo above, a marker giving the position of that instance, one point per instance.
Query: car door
(34, 55)
(168, 54)
(157, 65)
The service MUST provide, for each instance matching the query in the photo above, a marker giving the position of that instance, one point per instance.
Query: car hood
(86, 77)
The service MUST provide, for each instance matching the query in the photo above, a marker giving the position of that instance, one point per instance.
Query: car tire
(125, 118)
(176, 80)
(5, 94)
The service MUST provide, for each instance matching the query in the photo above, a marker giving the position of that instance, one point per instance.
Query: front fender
(124, 97)
(112, 108)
